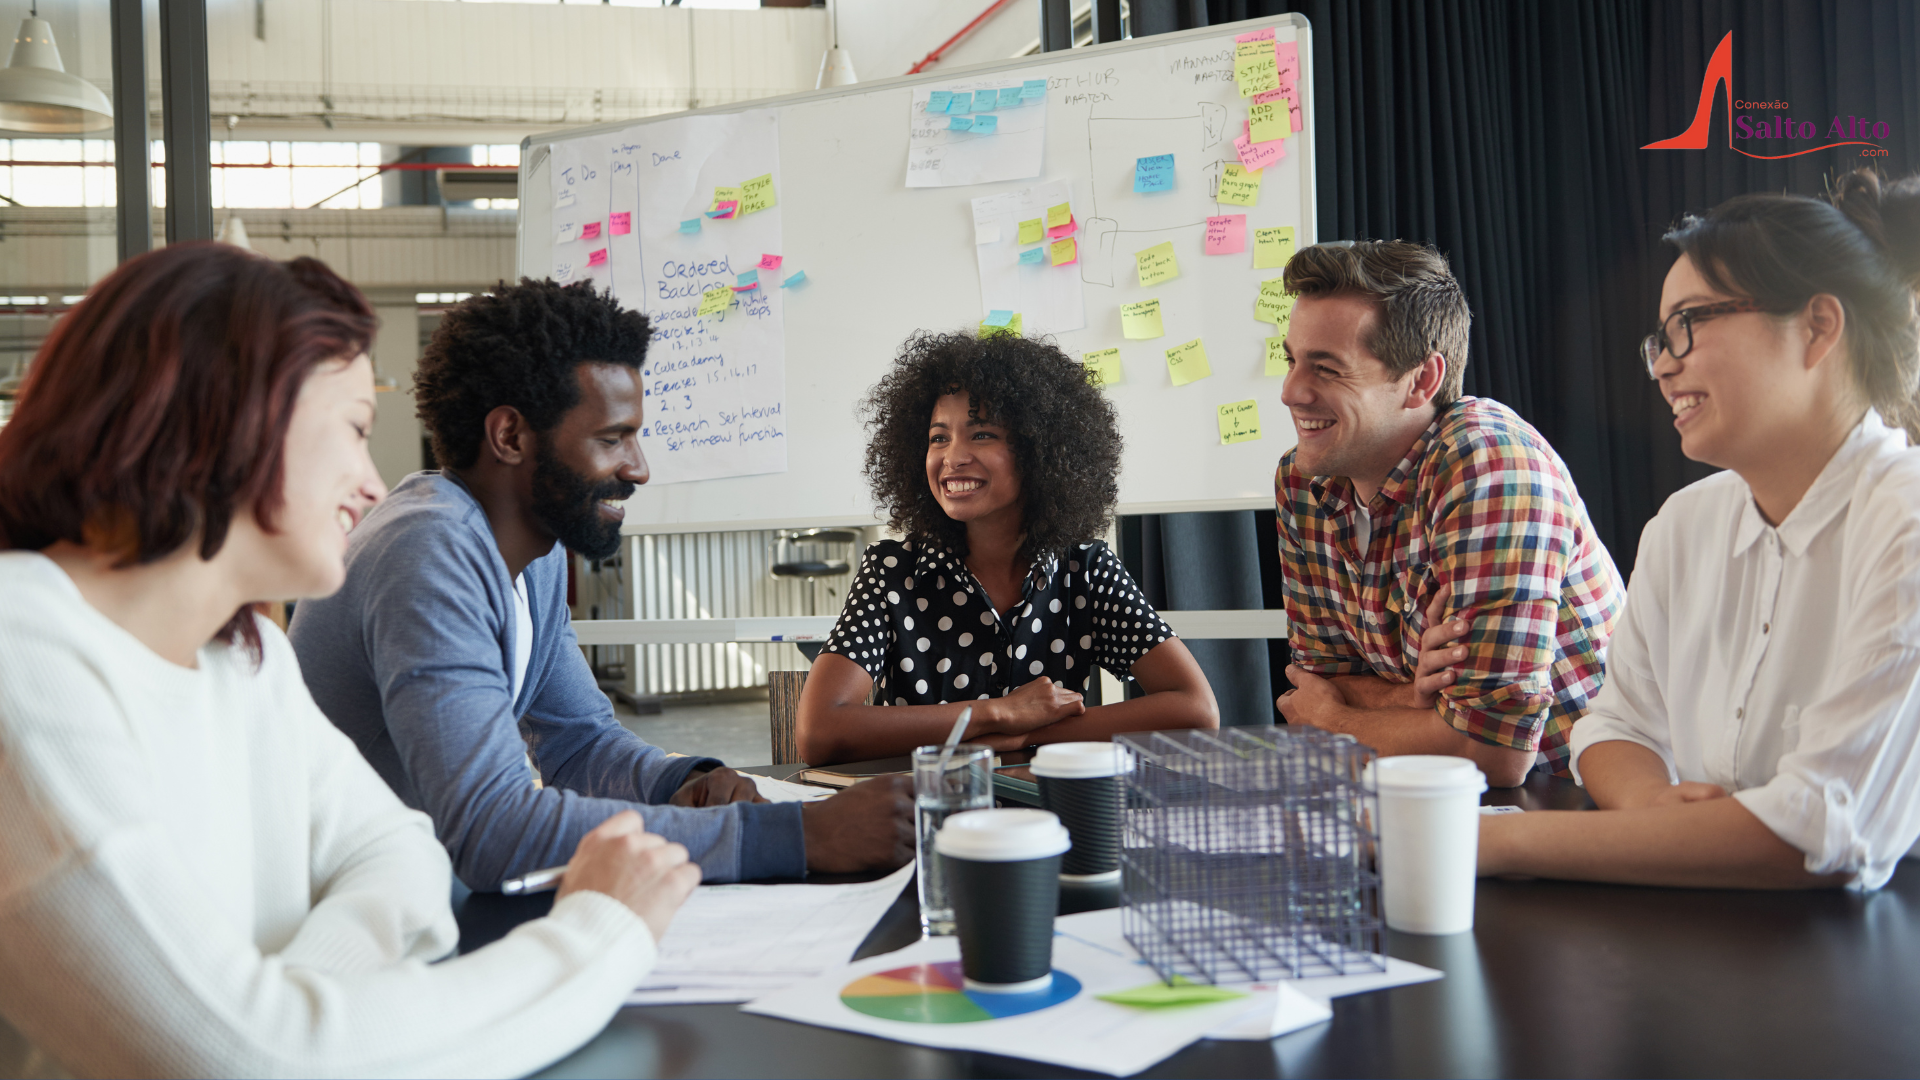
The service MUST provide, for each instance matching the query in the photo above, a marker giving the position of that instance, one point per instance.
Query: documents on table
(785, 791)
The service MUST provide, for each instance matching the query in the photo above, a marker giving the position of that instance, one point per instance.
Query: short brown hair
(160, 406)
(1422, 310)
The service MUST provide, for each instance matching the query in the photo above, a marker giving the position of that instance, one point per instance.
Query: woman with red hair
(201, 876)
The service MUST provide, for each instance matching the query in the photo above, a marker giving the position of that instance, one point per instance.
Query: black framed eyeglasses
(1677, 341)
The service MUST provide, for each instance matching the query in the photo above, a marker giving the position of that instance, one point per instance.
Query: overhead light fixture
(37, 94)
(836, 66)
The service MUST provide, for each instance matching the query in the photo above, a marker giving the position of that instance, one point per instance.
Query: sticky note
(1273, 304)
(620, 224)
(997, 317)
(1156, 264)
(597, 258)
(1032, 231)
(1159, 995)
(985, 100)
(1033, 256)
(986, 125)
(1063, 230)
(1287, 53)
(1011, 326)
(1032, 89)
(1272, 247)
(1059, 215)
(563, 272)
(986, 232)
(1227, 234)
(751, 277)
(725, 195)
(959, 123)
(1153, 173)
(1277, 356)
(716, 301)
(768, 262)
(962, 102)
(1064, 252)
(1142, 320)
(798, 277)
(756, 194)
(938, 101)
(1188, 363)
(1258, 72)
(590, 231)
(1254, 35)
(691, 225)
(1257, 156)
(563, 200)
(1103, 366)
(1239, 422)
(1009, 97)
(1238, 185)
(724, 210)
(567, 233)
(1268, 122)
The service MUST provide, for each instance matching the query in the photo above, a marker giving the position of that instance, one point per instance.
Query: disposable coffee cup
(1003, 876)
(1081, 782)
(1429, 841)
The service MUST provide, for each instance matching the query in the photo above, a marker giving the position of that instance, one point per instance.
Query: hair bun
(1888, 213)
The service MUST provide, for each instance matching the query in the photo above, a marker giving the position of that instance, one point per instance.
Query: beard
(568, 505)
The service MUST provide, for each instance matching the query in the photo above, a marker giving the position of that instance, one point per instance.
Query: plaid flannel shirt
(1481, 503)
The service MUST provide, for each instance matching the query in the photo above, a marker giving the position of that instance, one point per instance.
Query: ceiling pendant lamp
(37, 94)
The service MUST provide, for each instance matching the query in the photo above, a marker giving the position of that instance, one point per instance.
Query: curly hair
(1063, 433)
(518, 345)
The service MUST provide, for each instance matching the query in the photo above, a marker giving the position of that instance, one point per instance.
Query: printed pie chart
(938, 994)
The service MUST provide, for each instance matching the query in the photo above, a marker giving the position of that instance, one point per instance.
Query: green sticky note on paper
(1188, 363)
(1277, 356)
(756, 194)
(1059, 215)
(1274, 305)
(1159, 995)
(1239, 185)
(716, 301)
(725, 194)
(988, 325)
(1156, 264)
(1239, 422)
(1269, 121)
(1142, 320)
(1064, 251)
(1272, 247)
(1103, 366)
(1032, 231)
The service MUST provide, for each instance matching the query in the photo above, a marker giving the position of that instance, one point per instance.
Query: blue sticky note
(1153, 173)
(983, 100)
(1035, 257)
(939, 100)
(1033, 88)
(997, 317)
(1009, 97)
(691, 225)
(793, 279)
(986, 125)
(751, 277)
(959, 123)
(962, 102)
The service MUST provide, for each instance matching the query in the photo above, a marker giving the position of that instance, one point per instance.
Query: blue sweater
(413, 658)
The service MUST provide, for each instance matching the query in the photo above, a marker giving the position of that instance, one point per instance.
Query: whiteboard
(883, 260)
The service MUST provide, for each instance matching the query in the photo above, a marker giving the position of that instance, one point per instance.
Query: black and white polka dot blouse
(920, 624)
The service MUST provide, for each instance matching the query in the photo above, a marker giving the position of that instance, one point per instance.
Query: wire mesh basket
(1248, 854)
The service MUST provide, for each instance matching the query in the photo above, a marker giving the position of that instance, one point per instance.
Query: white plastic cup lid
(1079, 760)
(1428, 774)
(1002, 835)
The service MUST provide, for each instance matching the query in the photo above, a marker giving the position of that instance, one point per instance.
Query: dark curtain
(1507, 133)
(1210, 562)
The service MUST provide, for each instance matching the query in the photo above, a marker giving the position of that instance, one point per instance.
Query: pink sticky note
(1288, 55)
(726, 209)
(1257, 35)
(1059, 231)
(620, 224)
(769, 262)
(590, 231)
(597, 257)
(746, 287)
(1227, 235)
(1258, 155)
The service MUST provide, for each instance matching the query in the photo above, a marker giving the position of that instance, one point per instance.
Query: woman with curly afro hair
(999, 461)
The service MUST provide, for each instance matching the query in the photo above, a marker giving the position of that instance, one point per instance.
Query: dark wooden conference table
(1556, 979)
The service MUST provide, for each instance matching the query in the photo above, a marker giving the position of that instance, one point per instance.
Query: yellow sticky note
(1058, 216)
(756, 194)
(1257, 74)
(1240, 185)
(1272, 247)
(1268, 122)
(1274, 305)
(725, 194)
(1157, 264)
(1277, 356)
(1065, 251)
(1141, 320)
(1188, 362)
(716, 301)
(1239, 422)
(1103, 366)
(1012, 327)
(1031, 231)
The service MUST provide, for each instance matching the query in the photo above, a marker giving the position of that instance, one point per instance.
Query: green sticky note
(1031, 232)
(1159, 995)
(1157, 264)
(1239, 422)
(1065, 251)
(1103, 366)
(1257, 74)
(1269, 121)
(1188, 363)
(1142, 320)
(725, 194)
(1274, 305)
(716, 300)
(1277, 356)
(756, 194)
(1239, 185)
(1272, 247)
(1059, 215)
(1012, 326)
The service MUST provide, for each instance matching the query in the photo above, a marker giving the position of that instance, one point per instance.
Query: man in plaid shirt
(1446, 593)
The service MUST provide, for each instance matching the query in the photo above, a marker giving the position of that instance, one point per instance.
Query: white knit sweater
(200, 876)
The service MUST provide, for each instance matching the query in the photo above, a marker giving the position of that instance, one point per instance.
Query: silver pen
(539, 881)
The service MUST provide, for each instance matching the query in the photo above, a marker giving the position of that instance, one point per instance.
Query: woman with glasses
(1760, 722)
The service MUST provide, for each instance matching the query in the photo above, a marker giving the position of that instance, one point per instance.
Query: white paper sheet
(580, 198)
(940, 157)
(1049, 298)
(738, 942)
(785, 791)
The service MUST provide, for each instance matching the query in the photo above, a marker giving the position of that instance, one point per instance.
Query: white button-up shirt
(1783, 663)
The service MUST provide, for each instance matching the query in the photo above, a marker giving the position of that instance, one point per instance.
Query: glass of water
(965, 784)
